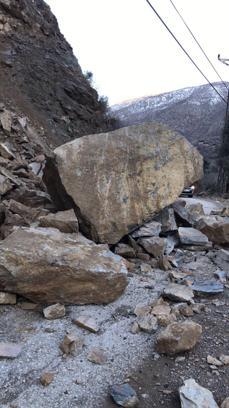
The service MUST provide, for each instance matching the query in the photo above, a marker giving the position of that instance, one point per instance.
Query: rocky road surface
(119, 346)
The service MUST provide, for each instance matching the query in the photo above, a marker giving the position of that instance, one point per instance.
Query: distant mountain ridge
(196, 112)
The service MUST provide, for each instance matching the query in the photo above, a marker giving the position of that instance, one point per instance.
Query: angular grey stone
(54, 311)
(167, 218)
(125, 250)
(64, 221)
(189, 212)
(6, 120)
(72, 344)
(5, 185)
(147, 323)
(150, 229)
(153, 245)
(171, 242)
(97, 355)
(87, 322)
(9, 350)
(191, 236)
(208, 287)
(192, 395)
(178, 293)
(221, 275)
(222, 259)
(124, 395)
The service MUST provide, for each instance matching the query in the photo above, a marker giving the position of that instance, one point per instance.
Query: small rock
(150, 229)
(198, 308)
(148, 323)
(178, 293)
(171, 242)
(124, 395)
(221, 275)
(165, 320)
(143, 256)
(214, 361)
(192, 395)
(179, 277)
(87, 322)
(218, 303)
(54, 311)
(180, 359)
(159, 310)
(6, 152)
(178, 337)
(125, 250)
(28, 306)
(5, 185)
(97, 356)
(164, 264)
(9, 350)
(64, 221)
(6, 120)
(7, 298)
(46, 379)
(207, 287)
(135, 328)
(167, 218)
(72, 344)
(183, 309)
(225, 403)
(142, 309)
(153, 245)
(191, 236)
(225, 359)
(145, 268)
(23, 122)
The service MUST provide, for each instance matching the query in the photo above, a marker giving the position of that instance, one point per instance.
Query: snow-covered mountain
(197, 112)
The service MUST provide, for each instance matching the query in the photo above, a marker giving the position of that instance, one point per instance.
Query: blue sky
(131, 54)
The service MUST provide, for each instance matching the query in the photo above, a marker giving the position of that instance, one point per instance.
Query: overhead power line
(197, 42)
(183, 49)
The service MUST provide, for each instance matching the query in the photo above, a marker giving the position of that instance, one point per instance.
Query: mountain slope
(196, 112)
(39, 75)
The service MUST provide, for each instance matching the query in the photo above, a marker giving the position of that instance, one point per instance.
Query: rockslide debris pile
(114, 182)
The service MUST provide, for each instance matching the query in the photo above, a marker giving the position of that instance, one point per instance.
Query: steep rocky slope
(39, 75)
(196, 112)
(45, 100)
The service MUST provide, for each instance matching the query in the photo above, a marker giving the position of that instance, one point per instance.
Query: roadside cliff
(41, 78)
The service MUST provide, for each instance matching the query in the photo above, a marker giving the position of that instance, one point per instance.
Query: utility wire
(183, 49)
(197, 42)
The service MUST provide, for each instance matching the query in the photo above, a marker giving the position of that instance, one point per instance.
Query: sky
(130, 52)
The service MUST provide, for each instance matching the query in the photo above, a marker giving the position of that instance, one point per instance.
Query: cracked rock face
(47, 266)
(120, 179)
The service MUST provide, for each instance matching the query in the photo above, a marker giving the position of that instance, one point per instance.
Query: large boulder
(119, 180)
(47, 266)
